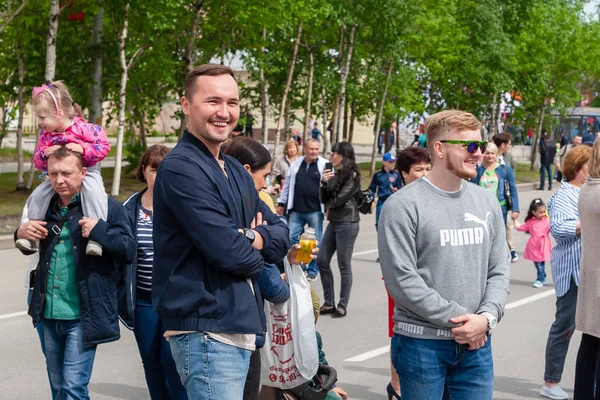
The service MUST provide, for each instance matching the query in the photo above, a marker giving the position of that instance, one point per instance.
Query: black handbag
(364, 200)
(315, 389)
(507, 193)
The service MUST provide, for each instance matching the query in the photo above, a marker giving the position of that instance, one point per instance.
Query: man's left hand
(473, 329)
(87, 224)
(515, 215)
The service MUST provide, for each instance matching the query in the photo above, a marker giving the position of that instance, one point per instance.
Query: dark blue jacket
(382, 183)
(502, 176)
(201, 261)
(97, 277)
(127, 285)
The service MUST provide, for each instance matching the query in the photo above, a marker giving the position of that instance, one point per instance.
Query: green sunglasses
(472, 145)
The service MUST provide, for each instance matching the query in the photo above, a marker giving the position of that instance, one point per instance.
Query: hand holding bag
(290, 355)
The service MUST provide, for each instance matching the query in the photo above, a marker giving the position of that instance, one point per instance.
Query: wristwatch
(249, 233)
(492, 321)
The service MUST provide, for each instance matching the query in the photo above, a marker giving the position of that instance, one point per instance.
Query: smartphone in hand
(329, 166)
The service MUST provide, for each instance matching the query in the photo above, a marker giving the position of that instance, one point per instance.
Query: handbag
(364, 201)
(290, 356)
(507, 193)
(316, 389)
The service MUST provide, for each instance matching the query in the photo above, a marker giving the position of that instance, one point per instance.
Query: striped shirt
(145, 252)
(566, 255)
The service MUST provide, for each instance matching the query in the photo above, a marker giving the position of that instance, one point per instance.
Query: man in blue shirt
(385, 182)
(316, 132)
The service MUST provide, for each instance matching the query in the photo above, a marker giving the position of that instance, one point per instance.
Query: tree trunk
(493, 126)
(287, 117)
(346, 115)
(334, 119)
(131, 122)
(264, 91)
(122, 102)
(536, 137)
(344, 77)
(96, 85)
(20, 169)
(307, 113)
(325, 135)
(190, 55)
(352, 119)
(143, 136)
(286, 90)
(51, 41)
(379, 115)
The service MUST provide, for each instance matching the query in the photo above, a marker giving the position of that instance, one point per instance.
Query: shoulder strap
(50, 240)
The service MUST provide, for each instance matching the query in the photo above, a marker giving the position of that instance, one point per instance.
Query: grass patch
(12, 200)
(10, 155)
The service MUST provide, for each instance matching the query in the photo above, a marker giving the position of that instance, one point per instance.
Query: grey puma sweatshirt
(442, 254)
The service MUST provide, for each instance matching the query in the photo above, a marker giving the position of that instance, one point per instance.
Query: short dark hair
(204, 70)
(63, 152)
(502, 138)
(411, 156)
(152, 157)
(248, 151)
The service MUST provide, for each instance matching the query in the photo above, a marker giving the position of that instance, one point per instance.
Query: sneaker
(538, 284)
(93, 249)
(555, 393)
(27, 245)
(514, 257)
(311, 277)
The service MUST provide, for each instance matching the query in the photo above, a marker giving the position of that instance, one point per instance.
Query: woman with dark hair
(256, 159)
(413, 163)
(337, 192)
(135, 308)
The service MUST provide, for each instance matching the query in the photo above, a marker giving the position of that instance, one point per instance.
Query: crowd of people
(188, 262)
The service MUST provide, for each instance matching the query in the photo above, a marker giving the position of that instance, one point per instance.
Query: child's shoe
(27, 245)
(93, 249)
(538, 284)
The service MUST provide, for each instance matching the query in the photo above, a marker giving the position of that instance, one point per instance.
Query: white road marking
(16, 314)
(509, 306)
(369, 354)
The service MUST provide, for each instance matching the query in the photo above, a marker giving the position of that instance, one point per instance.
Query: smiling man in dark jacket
(212, 236)
(75, 295)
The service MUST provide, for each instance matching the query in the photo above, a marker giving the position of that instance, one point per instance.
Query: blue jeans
(296, 225)
(69, 363)
(541, 271)
(159, 367)
(543, 170)
(40, 331)
(432, 369)
(210, 370)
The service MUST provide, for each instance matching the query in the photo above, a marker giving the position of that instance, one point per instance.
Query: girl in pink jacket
(539, 246)
(62, 124)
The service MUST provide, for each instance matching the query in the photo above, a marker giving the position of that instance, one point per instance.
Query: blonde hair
(575, 160)
(595, 160)
(492, 148)
(63, 97)
(447, 121)
(291, 143)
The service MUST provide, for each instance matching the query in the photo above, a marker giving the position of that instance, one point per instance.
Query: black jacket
(201, 261)
(547, 152)
(341, 206)
(127, 283)
(97, 277)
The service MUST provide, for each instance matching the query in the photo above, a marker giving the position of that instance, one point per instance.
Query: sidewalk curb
(6, 237)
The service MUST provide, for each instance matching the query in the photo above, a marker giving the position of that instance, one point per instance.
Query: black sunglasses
(472, 145)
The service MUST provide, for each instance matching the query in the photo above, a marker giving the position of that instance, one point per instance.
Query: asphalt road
(354, 345)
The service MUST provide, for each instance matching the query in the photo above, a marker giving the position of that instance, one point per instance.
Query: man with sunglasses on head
(445, 262)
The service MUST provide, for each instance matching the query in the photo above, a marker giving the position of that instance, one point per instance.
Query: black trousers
(587, 369)
(252, 385)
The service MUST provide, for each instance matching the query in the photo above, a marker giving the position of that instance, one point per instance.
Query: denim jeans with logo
(296, 224)
(69, 363)
(209, 369)
(432, 369)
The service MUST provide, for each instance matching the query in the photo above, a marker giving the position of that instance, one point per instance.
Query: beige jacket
(588, 297)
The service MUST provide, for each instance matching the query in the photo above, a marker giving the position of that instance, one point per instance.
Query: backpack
(364, 200)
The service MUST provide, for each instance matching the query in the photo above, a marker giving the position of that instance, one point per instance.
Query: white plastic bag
(290, 355)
